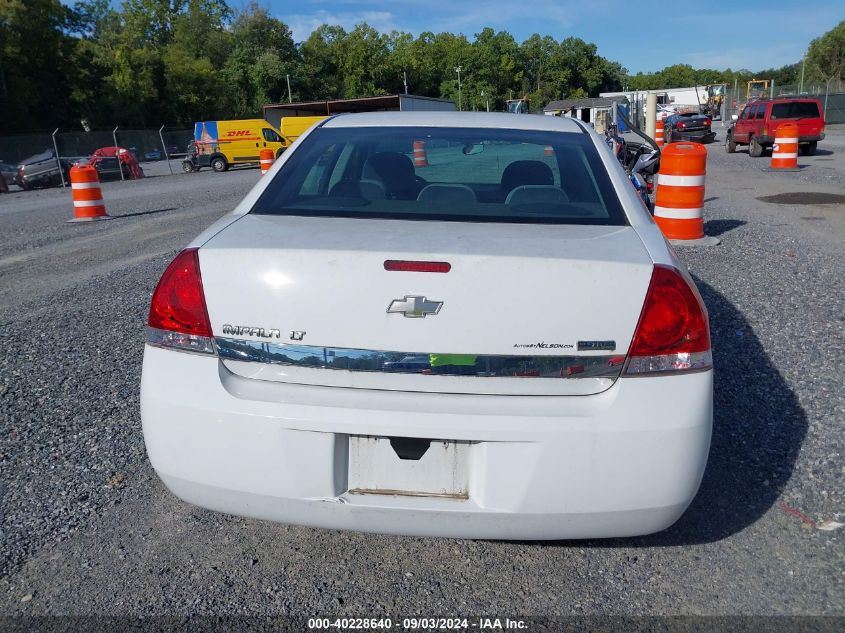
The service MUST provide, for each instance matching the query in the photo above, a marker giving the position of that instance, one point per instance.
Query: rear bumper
(624, 462)
(769, 140)
(701, 136)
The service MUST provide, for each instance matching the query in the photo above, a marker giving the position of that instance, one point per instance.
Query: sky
(642, 35)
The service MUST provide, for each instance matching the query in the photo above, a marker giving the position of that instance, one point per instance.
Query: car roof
(500, 120)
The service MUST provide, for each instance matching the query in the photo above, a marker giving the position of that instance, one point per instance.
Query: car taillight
(707, 121)
(673, 334)
(178, 315)
(681, 124)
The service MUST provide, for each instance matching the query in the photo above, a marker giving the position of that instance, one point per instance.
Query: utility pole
(59, 162)
(290, 96)
(801, 87)
(117, 152)
(458, 70)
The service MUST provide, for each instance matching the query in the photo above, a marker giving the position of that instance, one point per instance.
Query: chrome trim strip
(361, 360)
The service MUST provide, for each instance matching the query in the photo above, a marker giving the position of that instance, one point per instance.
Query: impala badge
(414, 306)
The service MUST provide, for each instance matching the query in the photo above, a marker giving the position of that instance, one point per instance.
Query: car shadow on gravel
(758, 428)
(720, 227)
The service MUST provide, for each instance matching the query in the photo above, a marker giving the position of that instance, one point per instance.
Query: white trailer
(681, 98)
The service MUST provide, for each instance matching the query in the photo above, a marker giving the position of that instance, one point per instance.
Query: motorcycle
(639, 160)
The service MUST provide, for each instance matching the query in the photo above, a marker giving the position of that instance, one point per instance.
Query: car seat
(525, 172)
(396, 172)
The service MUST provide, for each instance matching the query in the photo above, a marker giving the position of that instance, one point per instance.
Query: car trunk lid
(294, 299)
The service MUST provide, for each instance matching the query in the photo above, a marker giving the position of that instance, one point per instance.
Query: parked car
(8, 171)
(42, 170)
(573, 391)
(153, 155)
(105, 160)
(109, 168)
(688, 126)
(757, 124)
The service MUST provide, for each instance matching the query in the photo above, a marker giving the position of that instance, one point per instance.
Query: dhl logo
(238, 133)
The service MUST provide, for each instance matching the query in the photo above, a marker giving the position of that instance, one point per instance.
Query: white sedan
(433, 323)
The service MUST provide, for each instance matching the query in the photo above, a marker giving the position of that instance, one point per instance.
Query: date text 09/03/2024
(417, 624)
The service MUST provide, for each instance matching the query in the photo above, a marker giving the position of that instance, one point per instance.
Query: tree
(826, 55)
(263, 54)
(322, 58)
(495, 66)
(364, 65)
(36, 65)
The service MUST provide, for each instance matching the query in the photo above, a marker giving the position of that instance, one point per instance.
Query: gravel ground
(87, 528)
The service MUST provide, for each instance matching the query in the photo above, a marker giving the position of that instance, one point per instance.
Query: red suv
(759, 120)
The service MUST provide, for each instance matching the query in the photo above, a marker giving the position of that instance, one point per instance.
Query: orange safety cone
(420, 158)
(679, 202)
(785, 149)
(267, 156)
(658, 133)
(548, 150)
(88, 202)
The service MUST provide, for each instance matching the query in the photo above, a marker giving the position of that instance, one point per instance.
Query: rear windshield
(455, 174)
(795, 110)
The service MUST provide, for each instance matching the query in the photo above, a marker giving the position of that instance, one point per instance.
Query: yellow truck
(221, 144)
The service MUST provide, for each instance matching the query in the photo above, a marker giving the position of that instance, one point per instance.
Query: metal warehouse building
(273, 113)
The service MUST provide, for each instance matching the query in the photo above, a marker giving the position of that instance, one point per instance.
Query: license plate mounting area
(410, 467)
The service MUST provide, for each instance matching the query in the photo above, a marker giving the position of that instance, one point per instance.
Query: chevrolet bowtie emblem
(414, 306)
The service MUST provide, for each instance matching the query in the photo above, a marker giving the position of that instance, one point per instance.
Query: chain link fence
(145, 144)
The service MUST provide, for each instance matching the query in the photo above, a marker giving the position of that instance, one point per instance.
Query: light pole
(458, 70)
(487, 101)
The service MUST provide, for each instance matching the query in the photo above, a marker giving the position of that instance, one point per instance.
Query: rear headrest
(447, 193)
(537, 194)
(526, 172)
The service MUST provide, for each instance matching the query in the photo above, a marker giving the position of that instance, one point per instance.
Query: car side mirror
(734, 117)
(470, 149)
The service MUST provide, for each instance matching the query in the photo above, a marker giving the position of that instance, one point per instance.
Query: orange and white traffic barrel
(88, 202)
(679, 202)
(420, 158)
(267, 156)
(548, 150)
(785, 149)
(658, 132)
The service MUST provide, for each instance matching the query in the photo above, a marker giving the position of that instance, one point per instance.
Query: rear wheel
(755, 150)
(218, 164)
(809, 149)
(187, 166)
(730, 144)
